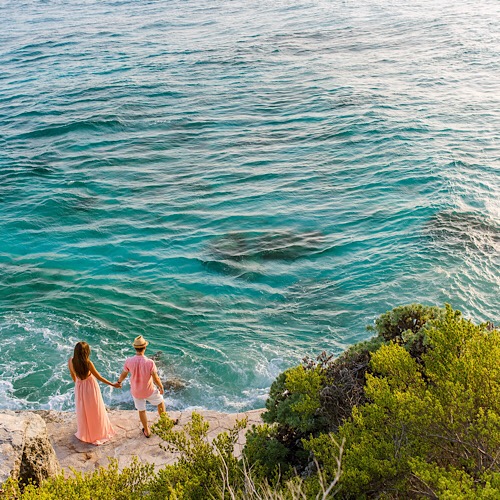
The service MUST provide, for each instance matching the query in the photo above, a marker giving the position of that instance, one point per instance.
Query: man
(144, 378)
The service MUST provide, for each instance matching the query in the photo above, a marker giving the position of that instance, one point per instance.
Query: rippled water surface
(242, 182)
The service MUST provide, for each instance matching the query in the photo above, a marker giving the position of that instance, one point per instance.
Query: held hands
(117, 385)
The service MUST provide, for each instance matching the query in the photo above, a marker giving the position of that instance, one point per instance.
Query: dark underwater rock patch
(276, 245)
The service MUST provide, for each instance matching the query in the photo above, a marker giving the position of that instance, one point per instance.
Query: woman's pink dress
(93, 425)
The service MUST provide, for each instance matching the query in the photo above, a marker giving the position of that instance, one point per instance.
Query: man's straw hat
(140, 342)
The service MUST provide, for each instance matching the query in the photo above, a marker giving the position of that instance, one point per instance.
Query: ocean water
(244, 183)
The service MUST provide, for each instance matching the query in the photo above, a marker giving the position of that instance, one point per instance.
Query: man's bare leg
(161, 408)
(144, 421)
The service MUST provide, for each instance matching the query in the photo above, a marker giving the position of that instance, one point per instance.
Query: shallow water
(244, 183)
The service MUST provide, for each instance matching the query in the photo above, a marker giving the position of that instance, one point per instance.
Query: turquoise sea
(243, 182)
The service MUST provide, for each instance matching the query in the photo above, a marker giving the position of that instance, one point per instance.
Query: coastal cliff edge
(57, 448)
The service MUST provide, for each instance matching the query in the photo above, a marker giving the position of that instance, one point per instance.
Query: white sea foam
(60, 402)
(8, 401)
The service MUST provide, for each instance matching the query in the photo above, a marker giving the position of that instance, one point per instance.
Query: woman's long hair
(81, 361)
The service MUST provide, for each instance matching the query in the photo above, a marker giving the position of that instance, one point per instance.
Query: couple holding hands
(93, 425)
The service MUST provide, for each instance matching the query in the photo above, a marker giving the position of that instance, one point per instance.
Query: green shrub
(319, 396)
(293, 404)
(450, 483)
(267, 453)
(103, 484)
(429, 428)
(205, 469)
(345, 380)
(294, 398)
(402, 321)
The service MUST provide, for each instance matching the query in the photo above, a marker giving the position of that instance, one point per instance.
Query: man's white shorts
(155, 399)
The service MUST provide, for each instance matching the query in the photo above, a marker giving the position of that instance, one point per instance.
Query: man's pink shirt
(141, 382)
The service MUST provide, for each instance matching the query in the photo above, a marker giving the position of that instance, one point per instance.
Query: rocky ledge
(26, 451)
(36, 445)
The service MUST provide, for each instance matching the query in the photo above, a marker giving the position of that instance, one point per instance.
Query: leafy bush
(405, 325)
(294, 398)
(268, 455)
(205, 468)
(293, 404)
(105, 483)
(418, 407)
(209, 469)
(431, 428)
(319, 396)
(345, 383)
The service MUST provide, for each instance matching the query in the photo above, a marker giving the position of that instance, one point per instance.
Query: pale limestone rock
(26, 452)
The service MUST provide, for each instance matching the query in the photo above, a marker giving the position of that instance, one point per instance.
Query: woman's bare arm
(98, 376)
(71, 369)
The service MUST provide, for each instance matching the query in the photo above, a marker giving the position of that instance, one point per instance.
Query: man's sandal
(144, 432)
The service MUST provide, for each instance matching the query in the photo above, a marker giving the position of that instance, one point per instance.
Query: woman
(93, 425)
